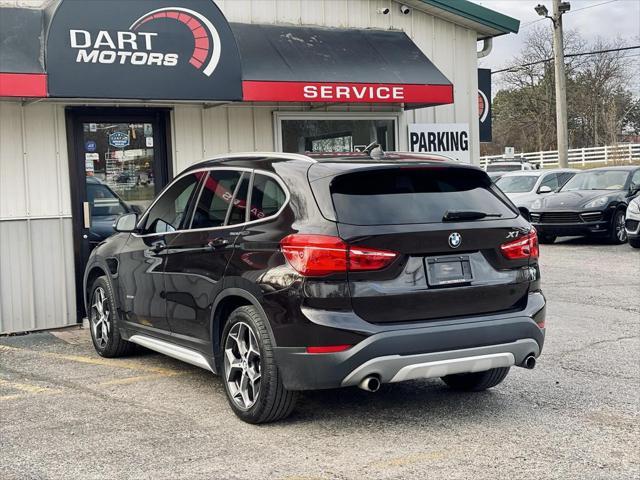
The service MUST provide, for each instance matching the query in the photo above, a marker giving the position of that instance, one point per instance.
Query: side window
(168, 213)
(267, 197)
(564, 178)
(635, 180)
(550, 180)
(214, 201)
(239, 208)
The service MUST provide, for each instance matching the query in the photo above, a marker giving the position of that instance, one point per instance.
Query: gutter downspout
(487, 46)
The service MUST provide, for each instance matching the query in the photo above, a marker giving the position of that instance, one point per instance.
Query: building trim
(479, 14)
(32, 85)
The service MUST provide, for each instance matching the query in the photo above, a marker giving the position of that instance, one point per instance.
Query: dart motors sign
(168, 50)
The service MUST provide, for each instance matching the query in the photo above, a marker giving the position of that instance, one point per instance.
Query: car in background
(495, 176)
(593, 203)
(526, 186)
(105, 207)
(632, 222)
(509, 166)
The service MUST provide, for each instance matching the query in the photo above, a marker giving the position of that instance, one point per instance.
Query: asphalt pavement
(66, 413)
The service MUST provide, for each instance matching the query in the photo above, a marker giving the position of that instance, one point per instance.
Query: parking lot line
(28, 389)
(129, 365)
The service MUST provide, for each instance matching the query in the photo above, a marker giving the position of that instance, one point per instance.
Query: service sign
(448, 139)
(179, 50)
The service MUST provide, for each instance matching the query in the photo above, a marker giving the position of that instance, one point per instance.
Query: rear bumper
(420, 351)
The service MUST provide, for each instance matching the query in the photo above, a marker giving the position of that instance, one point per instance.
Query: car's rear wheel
(477, 381)
(542, 238)
(102, 322)
(251, 378)
(618, 234)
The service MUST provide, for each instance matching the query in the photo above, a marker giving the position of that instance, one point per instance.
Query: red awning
(331, 65)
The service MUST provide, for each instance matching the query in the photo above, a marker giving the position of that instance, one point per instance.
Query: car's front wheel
(618, 233)
(251, 378)
(102, 321)
(477, 381)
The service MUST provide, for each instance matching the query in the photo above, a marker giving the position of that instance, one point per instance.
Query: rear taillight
(317, 255)
(522, 248)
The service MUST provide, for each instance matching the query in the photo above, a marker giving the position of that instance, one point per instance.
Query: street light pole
(561, 87)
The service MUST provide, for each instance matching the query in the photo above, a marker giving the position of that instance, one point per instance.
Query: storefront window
(121, 156)
(336, 135)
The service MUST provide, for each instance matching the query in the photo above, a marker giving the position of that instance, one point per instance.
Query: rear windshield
(401, 196)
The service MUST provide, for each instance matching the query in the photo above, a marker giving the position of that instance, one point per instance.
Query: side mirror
(126, 223)
(545, 189)
(633, 189)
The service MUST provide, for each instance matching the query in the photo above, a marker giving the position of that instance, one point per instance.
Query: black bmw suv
(285, 272)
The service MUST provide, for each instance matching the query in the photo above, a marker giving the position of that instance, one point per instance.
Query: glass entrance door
(119, 162)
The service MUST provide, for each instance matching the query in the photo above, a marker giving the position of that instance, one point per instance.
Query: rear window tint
(399, 196)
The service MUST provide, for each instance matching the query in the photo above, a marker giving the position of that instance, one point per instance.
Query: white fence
(608, 155)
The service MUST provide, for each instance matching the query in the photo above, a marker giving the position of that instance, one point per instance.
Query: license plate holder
(448, 271)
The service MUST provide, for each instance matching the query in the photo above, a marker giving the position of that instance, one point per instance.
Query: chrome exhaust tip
(529, 362)
(370, 383)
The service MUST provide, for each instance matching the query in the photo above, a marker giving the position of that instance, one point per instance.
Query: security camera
(564, 7)
(383, 11)
(405, 10)
(542, 10)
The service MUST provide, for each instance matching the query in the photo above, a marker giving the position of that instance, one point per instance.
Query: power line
(595, 52)
(528, 24)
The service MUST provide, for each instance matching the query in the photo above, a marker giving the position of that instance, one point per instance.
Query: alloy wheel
(100, 317)
(242, 365)
(621, 233)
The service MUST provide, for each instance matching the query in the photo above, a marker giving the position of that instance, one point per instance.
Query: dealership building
(105, 98)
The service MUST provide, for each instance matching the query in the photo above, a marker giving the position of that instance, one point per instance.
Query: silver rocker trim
(180, 353)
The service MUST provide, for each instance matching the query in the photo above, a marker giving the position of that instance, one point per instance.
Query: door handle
(216, 243)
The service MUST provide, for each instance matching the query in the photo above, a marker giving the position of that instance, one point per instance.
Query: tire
(635, 242)
(478, 381)
(263, 398)
(618, 234)
(104, 329)
(546, 239)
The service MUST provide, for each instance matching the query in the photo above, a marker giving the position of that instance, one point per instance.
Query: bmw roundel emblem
(455, 240)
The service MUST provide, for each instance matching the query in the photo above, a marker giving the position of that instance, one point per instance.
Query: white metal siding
(37, 286)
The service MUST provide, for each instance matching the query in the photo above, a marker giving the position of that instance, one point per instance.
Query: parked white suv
(632, 222)
(526, 186)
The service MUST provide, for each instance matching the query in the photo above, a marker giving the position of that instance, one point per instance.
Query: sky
(592, 18)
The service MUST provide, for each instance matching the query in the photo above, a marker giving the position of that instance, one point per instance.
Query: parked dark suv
(284, 272)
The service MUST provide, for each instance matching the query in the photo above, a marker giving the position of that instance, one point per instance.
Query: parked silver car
(632, 222)
(525, 186)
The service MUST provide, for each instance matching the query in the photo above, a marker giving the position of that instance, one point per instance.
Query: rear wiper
(450, 216)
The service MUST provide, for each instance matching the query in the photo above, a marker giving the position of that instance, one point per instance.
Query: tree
(600, 104)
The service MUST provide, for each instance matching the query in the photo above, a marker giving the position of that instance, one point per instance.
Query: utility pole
(559, 9)
(561, 86)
